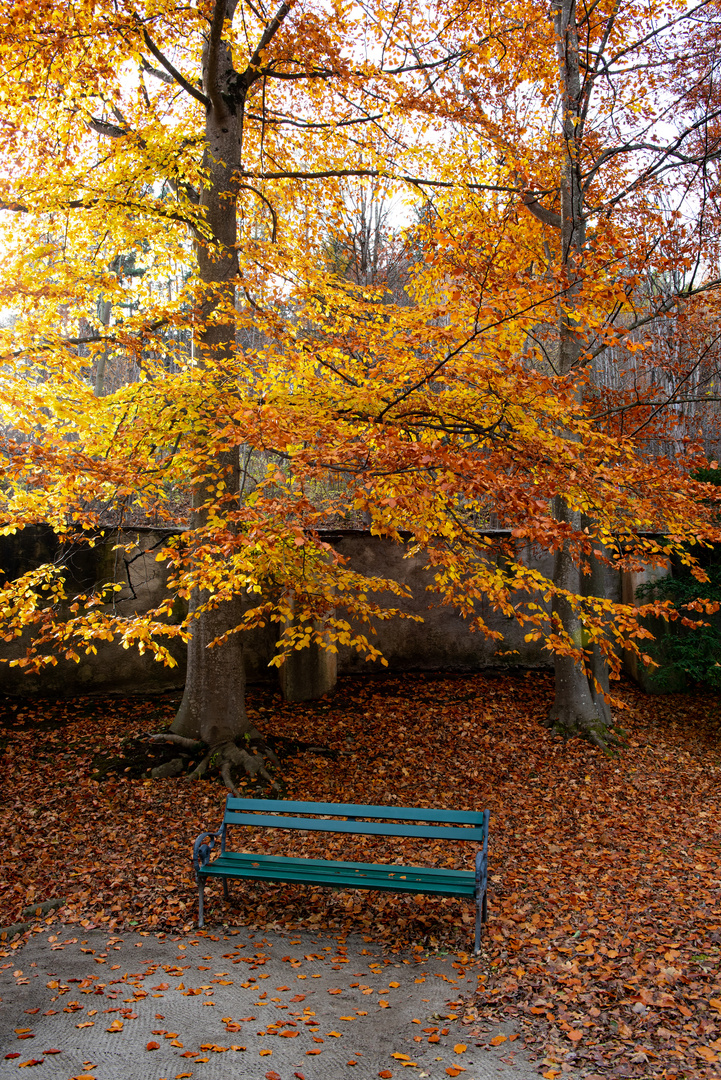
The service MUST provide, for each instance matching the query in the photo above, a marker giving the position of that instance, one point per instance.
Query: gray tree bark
(213, 706)
(578, 708)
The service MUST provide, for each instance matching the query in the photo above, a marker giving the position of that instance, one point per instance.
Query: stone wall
(441, 642)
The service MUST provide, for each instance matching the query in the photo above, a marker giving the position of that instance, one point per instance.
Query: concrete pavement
(227, 1004)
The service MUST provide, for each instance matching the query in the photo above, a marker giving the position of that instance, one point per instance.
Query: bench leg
(225, 887)
(201, 886)
(481, 917)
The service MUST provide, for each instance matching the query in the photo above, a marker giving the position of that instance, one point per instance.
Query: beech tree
(222, 139)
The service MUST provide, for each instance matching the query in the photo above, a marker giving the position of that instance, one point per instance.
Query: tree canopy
(537, 347)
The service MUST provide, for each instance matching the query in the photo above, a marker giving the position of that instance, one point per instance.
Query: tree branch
(268, 34)
(155, 72)
(180, 79)
(548, 217)
(213, 56)
(327, 173)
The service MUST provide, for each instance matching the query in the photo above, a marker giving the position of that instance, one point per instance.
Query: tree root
(594, 731)
(201, 767)
(252, 764)
(177, 740)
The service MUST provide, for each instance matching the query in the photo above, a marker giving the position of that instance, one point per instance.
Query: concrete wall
(442, 642)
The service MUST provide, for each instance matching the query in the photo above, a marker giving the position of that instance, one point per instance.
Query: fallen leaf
(152, 1046)
(498, 1039)
(460, 1048)
(265, 1053)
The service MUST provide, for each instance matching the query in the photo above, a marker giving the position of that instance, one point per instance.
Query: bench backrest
(352, 818)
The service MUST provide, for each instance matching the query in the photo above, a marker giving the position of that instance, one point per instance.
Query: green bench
(415, 822)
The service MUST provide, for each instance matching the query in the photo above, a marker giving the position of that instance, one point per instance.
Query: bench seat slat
(413, 879)
(392, 813)
(363, 828)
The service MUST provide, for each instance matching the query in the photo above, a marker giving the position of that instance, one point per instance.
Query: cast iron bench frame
(454, 825)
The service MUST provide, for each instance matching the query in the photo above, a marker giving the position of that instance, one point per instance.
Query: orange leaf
(153, 1046)
(460, 1048)
(575, 1035)
(707, 1053)
(498, 1039)
(385, 1073)
(265, 1053)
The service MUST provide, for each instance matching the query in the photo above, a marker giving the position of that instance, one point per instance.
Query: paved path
(239, 1005)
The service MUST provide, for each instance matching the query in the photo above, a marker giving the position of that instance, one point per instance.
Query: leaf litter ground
(605, 899)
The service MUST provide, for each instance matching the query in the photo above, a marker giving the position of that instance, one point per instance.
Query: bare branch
(548, 217)
(249, 187)
(110, 131)
(162, 76)
(180, 79)
(420, 181)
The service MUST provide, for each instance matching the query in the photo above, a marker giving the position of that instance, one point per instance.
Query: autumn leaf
(460, 1048)
(152, 1046)
(497, 1040)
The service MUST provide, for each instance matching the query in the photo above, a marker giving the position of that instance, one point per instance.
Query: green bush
(685, 653)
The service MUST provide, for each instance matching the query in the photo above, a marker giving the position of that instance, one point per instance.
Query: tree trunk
(577, 709)
(213, 704)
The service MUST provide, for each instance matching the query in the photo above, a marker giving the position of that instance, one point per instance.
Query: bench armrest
(202, 849)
